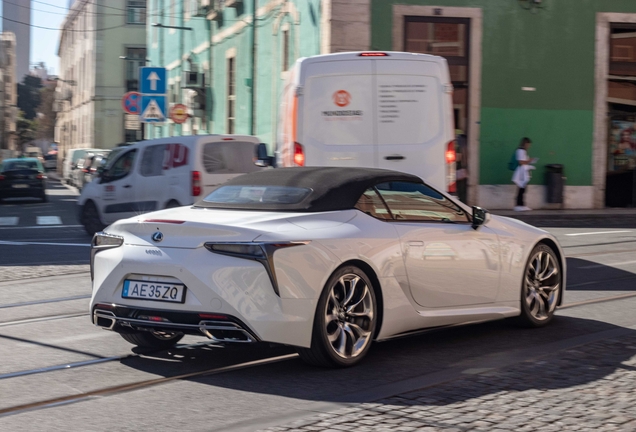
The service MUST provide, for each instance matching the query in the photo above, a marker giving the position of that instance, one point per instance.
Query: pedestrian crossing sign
(153, 108)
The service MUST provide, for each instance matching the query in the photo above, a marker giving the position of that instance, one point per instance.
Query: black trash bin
(554, 183)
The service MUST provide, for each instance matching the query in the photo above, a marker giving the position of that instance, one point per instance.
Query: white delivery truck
(390, 110)
(161, 173)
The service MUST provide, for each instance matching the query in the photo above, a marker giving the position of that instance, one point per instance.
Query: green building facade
(557, 71)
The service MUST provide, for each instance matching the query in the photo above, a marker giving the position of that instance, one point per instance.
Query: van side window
(229, 157)
(418, 202)
(122, 166)
(153, 160)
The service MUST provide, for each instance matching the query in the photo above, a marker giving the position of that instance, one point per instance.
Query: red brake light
(227, 139)
(196, 183)
(178, 222)
(450, 152)
(373, 54)
(1, 177)
(212, 316)
(40, 176)
(299, 154)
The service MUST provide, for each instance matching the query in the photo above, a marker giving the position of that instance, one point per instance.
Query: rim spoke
(549, 274)
(542, 309)
(357, 329)
(342, 345)
(334, 336)
(331, 318)
(349, 309)
(352, 290)
(333, 299)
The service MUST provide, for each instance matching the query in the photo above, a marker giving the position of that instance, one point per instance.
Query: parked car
(161, 173)
(390, 110)
(324, 259)
(22, 177)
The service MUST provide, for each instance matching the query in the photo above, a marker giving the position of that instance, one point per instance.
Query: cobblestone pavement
(589, 388)
(9, 273)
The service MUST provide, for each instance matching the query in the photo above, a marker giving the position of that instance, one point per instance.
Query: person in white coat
(522, 173)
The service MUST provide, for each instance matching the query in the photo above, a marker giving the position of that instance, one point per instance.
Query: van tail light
(196, 183)
(299, 154)
(451, 157)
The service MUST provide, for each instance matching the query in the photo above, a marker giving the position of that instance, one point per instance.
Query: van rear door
(337, 119)
(412, 120)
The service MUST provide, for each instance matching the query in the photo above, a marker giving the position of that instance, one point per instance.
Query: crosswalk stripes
(40, 220)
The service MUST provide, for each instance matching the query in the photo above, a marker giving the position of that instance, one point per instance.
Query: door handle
(394, 157)
(127, 186)
(416, 243)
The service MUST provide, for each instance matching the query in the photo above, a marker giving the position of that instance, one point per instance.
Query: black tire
(90, 218)
(146, 339)
(172, 204)
(539, 298)
(322, 352)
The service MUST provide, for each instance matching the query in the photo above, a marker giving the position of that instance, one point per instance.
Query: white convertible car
(324, 259)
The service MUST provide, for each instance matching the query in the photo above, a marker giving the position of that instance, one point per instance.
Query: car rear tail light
(227, 139)
(212, 316)
(299, 154)
(373, 54)
(40, 176)
(1, 177)
(451, 157)
(196, 183)
(169, 221)
(104, 306)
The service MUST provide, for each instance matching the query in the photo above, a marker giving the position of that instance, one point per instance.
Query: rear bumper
(31, 191)
(218, 327)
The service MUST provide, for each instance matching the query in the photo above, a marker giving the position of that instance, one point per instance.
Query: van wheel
(172, 204)
(90, 218)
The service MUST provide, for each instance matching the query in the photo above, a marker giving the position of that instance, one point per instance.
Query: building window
(231, 94)
(285, 50)
(135, 58)
(136, 11)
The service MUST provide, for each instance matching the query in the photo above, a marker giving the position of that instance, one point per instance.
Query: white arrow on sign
(153, 78)
(153, 112)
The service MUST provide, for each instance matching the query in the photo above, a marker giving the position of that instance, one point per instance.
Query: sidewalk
(585, 388)
(600, 218)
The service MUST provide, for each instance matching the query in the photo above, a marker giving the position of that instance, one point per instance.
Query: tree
(46, 114)
(25, 130)
(29, 96)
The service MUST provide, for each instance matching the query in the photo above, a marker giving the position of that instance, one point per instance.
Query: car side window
(122, 166)
(417, 202)
(371, 204)
(153, 160)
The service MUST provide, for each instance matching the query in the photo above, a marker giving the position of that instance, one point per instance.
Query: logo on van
(341, 98)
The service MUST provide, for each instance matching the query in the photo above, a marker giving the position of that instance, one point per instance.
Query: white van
(70, 160)
(161, 173)
(390, 110)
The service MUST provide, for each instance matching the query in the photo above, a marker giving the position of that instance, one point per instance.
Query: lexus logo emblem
(157, 237)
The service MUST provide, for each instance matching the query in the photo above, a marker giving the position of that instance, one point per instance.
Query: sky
(46, 13)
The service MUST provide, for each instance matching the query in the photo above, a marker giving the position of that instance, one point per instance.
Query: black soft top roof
(332, 188)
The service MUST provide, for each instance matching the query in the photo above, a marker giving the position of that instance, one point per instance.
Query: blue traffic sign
(153, 108)
(153, 80)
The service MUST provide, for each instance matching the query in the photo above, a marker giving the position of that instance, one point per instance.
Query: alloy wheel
(542, 285)
(349, 316)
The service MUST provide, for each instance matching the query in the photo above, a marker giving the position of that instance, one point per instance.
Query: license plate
(158, 291)
(20, 186)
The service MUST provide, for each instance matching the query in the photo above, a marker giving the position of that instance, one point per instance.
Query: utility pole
(253, 83)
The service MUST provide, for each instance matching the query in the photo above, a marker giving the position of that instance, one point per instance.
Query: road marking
(43, 227)
(49, 220)
(11, 243)
(598, 232)
(46, 318)
(6, 221)
(53, 300)
(605, 265)
(598, 300)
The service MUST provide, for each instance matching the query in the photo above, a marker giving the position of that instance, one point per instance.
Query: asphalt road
(59, 372)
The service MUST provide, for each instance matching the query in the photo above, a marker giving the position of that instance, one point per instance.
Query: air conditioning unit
(192, 79)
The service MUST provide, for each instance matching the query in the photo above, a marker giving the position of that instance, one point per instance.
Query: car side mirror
(479, 217)
(262, 158)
